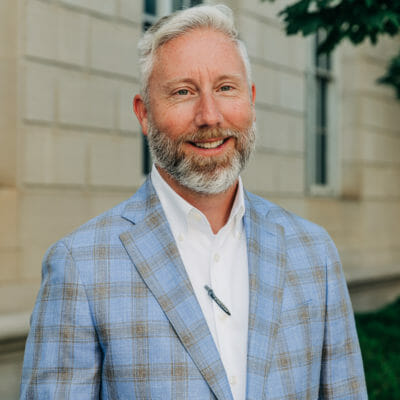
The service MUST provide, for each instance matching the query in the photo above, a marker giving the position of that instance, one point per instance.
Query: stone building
(70, 147)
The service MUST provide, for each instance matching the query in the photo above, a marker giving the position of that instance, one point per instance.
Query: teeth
(209, 145)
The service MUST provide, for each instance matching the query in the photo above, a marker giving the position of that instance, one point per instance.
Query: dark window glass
(150, 7)
(177, 4)
(322, 60)
(146, 25)
(146, 164)
(323, 66)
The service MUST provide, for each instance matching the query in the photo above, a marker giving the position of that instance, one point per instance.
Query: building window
(153, 10)
(321, 129)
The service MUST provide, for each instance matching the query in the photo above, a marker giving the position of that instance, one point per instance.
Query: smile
(209, 145)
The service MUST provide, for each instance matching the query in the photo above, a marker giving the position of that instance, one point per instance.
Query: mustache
(208, 134)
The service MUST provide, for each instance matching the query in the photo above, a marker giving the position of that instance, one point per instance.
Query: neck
(216, 207)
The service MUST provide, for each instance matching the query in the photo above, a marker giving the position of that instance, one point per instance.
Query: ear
(141, 112)
(253, 99)
(253, 94)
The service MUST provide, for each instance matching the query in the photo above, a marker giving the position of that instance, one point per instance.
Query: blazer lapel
(267, 259)
(152, 249)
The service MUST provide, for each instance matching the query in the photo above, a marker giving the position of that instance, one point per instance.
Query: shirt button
(232, 379)
(222, 316)
(180, 238)
(216, 257)
(197, 215)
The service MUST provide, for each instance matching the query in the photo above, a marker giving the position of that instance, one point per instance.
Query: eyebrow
(172, 83)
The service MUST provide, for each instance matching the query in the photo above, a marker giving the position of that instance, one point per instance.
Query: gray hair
(218, 17)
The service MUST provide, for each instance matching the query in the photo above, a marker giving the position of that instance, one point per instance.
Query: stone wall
(70, 146)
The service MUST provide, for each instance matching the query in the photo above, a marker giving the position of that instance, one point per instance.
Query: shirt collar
(178, 210)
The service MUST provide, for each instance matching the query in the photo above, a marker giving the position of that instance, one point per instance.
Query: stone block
(106, 7)
(113, 48)
(380, 147)
(266, 81)
(54, 158)
(18, 296)
(8, 217)
(379, 113)
(275, 45)
(383, 221)
(101, 201)
(383, 51)
(8, 264)
(115, 161)
(250, 33)
(264, 8)
(8, 121)
(291, 175)
(78, 3)
(8, 28)
(73, 34)
(131, 10)
(279, 88)
(376, 181)
(291, 91)
(260, 176)
(351, 147)
(351, 180)
(127, 120)
(30, 259)
(45, 217)
(280, 131)
(39, 92)
(86, 101)
(41, 29)
(361, 75)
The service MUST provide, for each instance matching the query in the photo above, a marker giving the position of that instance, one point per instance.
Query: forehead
(196, 51)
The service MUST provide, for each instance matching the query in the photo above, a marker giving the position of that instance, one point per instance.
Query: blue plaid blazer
(116, 316)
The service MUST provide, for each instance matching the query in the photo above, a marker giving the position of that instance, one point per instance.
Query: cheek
(175, 121)
(240, 116)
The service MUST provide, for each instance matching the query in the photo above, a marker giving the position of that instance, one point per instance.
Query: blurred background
(328, 139)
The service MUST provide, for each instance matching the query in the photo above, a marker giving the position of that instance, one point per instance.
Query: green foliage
(355, 20)
(379, 335)
(392, 76)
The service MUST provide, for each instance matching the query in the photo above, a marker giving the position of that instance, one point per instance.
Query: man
(194, 288)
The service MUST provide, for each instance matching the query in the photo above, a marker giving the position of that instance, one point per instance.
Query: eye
(182, 92)
(225, 88)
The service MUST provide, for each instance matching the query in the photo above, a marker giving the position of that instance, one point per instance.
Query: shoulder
(305, 242)
(292, 224)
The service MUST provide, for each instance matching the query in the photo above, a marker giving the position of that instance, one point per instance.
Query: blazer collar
(152, 249)
(267, 261)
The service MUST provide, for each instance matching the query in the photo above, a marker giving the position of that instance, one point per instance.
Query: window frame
(331, 187)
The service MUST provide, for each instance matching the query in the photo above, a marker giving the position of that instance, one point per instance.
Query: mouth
(211, 144)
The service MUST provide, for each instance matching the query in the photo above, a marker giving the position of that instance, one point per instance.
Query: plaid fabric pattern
(116, 316)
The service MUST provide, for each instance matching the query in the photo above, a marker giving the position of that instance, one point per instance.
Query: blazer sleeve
(62, 354)
(342, 374)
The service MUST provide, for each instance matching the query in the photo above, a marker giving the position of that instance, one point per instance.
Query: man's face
(200, 119)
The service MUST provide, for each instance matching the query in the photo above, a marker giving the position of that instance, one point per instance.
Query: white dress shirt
(219, 261)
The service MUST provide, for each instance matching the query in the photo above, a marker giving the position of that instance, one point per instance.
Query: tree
(355, 20)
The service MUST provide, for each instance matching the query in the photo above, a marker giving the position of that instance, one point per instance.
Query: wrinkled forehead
(191, 40)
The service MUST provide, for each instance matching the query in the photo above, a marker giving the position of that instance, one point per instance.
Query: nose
(207, 113)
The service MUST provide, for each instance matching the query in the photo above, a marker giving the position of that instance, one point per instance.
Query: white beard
(210, 175)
